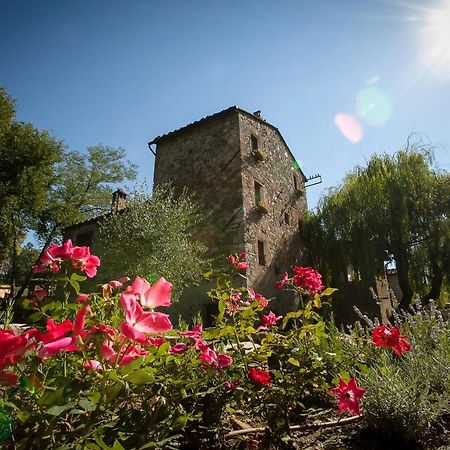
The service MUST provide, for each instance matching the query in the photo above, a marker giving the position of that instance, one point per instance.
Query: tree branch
(310, 426)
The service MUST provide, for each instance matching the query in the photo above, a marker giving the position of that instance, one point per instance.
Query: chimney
(119, 201)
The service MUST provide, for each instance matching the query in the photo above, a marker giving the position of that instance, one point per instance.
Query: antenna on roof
(313, 177)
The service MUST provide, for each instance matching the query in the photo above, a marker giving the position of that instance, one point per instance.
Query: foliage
(44, 187)
(105, 370)
(81, 382)
(153, 237)
(412, 394)
(26, 256)
(408, 396)
(82, 187)
(395, 209)
(27, 158)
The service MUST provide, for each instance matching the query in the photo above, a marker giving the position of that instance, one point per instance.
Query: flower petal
(153, 322)
(158, 294)
(132, 308)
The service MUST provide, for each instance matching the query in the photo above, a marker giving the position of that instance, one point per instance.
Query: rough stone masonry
(250, 187)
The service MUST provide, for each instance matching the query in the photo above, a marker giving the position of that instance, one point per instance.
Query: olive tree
(153, 237)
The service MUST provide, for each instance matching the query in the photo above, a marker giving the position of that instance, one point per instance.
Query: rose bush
(108, 369)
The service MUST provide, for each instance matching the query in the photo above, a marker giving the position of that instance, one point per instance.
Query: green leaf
(212, 333)
(51, 306)
(50, 398)
(248, 312)
(94, 396)
(113, 376)
(23, 415)
(113, 390)
(133, 365)
(180, 422)
(291, 315)
(75, 285)
(57, 410)
(141, 376)
(77, 277)
(87, 404)
(294, 362)
(345, 376)
(163, 349)
(327, 292)
(35, 316)
(317, 302)
(160, 444)
(102, 444)
(221, 307)
(208, 275)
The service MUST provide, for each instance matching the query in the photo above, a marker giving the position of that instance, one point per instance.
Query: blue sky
(123, 72)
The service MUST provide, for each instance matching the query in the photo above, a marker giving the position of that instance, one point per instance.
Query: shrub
(105, 370)
(408, 396)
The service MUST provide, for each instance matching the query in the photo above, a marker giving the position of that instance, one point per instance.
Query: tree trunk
(402, 265)
(12, 279)
(436, 282)
(27, 280)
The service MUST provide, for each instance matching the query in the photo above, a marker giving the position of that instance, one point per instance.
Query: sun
(435, 40)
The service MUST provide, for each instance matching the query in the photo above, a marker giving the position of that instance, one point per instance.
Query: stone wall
(278, 228)
(84, 233)
(218, 159)
(205, 159)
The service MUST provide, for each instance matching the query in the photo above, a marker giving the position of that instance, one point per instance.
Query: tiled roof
(191, 125)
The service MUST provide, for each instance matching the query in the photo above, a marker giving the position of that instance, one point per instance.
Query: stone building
(85, 233)
(246, 179)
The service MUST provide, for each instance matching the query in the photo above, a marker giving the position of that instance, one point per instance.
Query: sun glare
(435, 40)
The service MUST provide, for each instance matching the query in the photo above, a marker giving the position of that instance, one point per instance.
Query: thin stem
(310, 426)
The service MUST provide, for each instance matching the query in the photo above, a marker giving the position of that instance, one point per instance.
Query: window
(300, 225)
(295, 183)
(286, 218)
(259, 193)
(261, 254)
(254, 143)
(84, 239)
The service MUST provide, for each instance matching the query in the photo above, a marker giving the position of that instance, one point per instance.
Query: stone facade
(247, 181)
(83, 233)
(205, 159)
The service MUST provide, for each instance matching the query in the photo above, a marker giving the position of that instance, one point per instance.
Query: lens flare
(295, 165)
(349, 126)
(435, 41)
(374, 106)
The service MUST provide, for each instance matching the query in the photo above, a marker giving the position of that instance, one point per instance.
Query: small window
(295, 183)
(254, 143)
(299, 225)
(259, 193)
(261, 254)
(286, 218)
(84, 239)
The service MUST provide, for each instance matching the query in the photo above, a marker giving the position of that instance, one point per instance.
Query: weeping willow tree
(395, 209)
